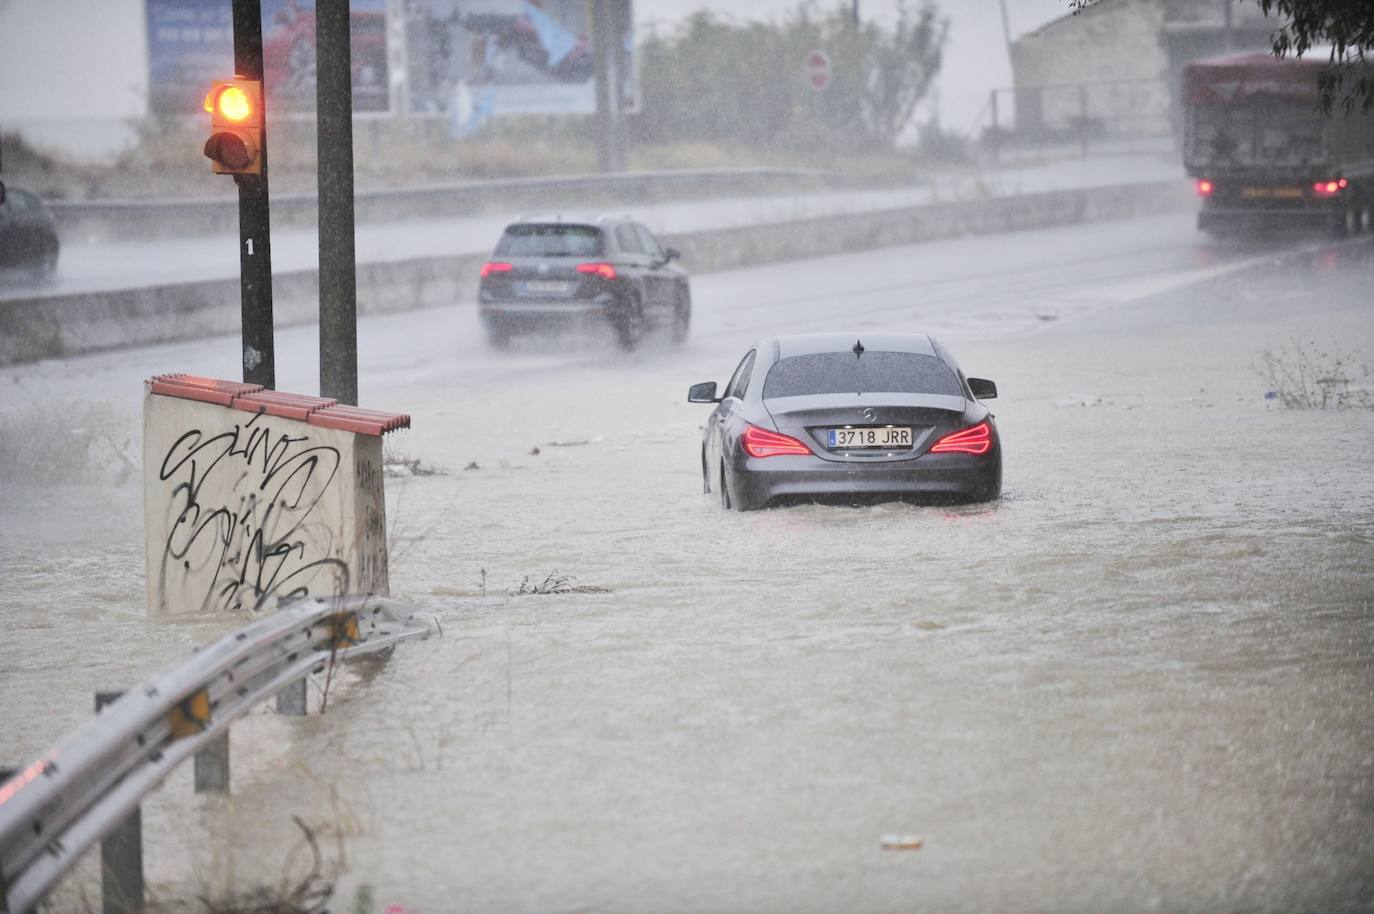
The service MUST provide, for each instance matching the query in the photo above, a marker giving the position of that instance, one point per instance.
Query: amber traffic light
(235, 144)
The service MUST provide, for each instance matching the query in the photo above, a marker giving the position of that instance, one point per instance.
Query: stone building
(1113, 68)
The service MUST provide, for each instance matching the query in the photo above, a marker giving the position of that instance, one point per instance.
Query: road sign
(818, 69)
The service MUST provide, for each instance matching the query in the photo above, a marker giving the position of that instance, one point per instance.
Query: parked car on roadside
(28, 237)
(848, 416)
(549, 272)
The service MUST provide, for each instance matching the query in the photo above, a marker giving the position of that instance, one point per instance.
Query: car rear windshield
(535, 240)
(872, 372)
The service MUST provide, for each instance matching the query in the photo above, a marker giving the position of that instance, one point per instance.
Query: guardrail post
(291, 700)
(121, 853)
(212, 766)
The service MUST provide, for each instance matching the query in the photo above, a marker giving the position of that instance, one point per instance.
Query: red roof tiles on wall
(287, 406)
(254, 398)
(359, 421)
(207, 390)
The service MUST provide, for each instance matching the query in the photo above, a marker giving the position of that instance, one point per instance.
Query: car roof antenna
(858, 349)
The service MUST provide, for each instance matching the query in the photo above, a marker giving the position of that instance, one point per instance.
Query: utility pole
(255, 229)
(338, 264)
(606, 34)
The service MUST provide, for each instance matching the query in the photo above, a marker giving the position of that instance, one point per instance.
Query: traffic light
(235, 144)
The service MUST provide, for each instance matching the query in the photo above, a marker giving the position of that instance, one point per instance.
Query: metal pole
(601, 53)
(620, 26)
(338, 266)
(121, 853)
(212, 766)
(1083, 119)
(996, 129)
(255, 230)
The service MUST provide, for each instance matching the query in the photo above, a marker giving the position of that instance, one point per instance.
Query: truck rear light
(604, 270)
(1329, 188)
(489, 268)
(975, 440)
(759, 442)
(1205, 187)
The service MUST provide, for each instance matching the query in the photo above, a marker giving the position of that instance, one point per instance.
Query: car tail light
(1205, 187)
(489, 268)
(759, 442)
(604, 270)
(975, 440)
(1329, 188)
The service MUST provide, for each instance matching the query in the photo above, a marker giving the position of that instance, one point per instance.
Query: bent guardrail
(55, 808)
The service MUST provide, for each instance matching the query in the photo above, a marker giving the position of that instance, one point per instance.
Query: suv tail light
(604, 270)
(1329, 188)
(759, 442)
(1205, 187)
(974, 440)
(489, 268)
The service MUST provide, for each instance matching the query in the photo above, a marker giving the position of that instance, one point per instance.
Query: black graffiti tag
(257, 539)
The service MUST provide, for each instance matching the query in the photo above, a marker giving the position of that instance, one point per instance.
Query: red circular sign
(818, 69)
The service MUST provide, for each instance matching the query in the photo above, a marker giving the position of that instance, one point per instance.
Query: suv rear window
(873, 372)
(534, 240)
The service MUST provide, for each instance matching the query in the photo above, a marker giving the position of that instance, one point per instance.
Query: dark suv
(548, 272)
(28, 238)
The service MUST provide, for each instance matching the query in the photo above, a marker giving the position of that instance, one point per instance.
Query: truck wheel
(1367, 218)
(1352, 221)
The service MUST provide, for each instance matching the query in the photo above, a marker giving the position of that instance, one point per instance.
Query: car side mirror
(671, 254)
(705, 392)
(982, 388)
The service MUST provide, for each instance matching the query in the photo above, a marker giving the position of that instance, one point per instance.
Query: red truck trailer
(1265, 156)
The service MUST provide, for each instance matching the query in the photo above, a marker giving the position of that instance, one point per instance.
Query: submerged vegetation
(1301, 374)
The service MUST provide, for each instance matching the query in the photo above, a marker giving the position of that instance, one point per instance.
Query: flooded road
(1142, 681)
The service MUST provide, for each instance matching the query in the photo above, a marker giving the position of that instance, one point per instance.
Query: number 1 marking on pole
(249, 242)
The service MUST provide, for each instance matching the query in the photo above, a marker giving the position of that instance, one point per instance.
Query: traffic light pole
(255, 231)
(334, 139)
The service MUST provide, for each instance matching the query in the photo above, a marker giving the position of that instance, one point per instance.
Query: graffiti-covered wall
(259, 499)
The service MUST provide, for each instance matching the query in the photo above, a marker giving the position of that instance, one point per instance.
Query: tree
(746, 83)
(1347, 25)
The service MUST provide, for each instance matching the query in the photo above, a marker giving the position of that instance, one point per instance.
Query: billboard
(473, 59)
(191, 43)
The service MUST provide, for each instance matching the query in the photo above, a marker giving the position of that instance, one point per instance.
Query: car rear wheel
(682, 316)
(629, 322)
(724, 489)
(498, 337)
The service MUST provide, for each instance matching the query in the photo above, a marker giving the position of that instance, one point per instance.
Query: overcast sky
(975, 57)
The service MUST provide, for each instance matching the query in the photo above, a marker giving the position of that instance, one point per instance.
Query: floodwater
(1140, 681)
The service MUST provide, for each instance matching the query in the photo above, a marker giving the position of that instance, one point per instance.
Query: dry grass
(553, 583)
(1302, 374)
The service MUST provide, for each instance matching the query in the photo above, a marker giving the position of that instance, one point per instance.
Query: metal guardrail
(79, 791)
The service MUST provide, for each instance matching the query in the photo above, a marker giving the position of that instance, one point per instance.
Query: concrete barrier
(64, 325)
(97, 220)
